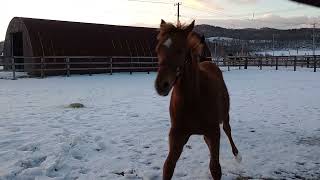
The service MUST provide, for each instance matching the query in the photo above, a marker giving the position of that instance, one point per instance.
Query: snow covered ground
(122, 131)
(289, 52)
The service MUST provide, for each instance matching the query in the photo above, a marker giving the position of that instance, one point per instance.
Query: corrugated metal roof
(62, 38)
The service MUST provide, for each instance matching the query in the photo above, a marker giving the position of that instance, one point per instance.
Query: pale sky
(226, 13)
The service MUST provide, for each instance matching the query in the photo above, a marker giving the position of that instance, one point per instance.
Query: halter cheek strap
(179, 69)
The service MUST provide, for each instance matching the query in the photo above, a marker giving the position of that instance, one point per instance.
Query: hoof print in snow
(277, 172)
(29, 147)
(310, 141)
(83, 170)
(300, 163)
(156, 168)
(130, 172)
(100, 147)
(146, 147)
(119, 173)
(32, 162)
(76, 105)
(188, 146)
(252, 131)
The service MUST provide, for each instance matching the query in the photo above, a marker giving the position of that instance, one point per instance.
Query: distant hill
(1, 46)
(222, 41)
(256, 34)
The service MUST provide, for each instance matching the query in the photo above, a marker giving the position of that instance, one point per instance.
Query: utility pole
(313, 39)
(178, 14)
(215, 51)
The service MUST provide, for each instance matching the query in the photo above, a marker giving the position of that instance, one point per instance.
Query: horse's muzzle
(163, 88)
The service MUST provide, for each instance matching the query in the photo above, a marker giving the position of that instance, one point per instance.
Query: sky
(281, 14)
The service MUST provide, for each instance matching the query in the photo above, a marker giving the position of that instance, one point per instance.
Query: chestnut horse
(199, 99)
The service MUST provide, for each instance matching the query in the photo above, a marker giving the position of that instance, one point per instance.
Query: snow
(9, 74)
(122, 131)
(289, 52)
(213, 39)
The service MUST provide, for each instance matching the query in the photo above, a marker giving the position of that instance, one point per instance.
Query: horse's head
(175, 45)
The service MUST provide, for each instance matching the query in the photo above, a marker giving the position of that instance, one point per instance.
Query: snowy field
(122, 131)
(289, 52)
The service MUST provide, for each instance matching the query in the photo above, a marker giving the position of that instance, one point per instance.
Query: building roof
(62, 38)
(309, 2)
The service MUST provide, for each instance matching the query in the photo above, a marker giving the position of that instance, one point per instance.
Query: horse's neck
(189, 82)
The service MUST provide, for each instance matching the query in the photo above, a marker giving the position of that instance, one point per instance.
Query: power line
(220, 12)
(216, 12)
(153, 2)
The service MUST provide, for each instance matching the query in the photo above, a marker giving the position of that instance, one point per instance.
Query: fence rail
(272, 61)
(110, 64)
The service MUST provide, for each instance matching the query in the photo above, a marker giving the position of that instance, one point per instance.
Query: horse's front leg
(176, 142)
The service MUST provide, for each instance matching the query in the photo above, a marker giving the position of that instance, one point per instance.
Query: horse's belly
(195, 124)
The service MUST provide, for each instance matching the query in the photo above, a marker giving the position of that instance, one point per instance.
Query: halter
(179, 69)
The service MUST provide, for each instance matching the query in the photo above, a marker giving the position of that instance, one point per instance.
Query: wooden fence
(271, 61)
(43, 66)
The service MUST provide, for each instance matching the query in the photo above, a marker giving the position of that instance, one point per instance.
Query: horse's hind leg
(176, 142)
(227, 130)
(213, 142)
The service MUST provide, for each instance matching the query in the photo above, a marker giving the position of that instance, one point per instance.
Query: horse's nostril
(165, 85)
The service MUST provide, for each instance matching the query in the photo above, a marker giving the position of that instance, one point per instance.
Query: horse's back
(212, 80)
(211, 69)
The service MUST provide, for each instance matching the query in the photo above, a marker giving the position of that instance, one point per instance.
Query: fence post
(261, 63)
(111, 66)
(130, 65)
(286, 62)
(90, 66)
(308, 62)
(276, 63)
(246, 63)
(68, 66)
(13, 69)
(314, 63)
(267, 63)
(295, 63)
(42, 67)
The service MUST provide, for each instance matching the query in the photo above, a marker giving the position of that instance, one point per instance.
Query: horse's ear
(203, 39)
(162, 23)
(190, 27)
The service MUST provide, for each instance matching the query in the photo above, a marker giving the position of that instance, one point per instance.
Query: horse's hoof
(238, 157)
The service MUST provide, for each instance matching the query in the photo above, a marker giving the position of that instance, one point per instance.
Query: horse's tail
(238, 157)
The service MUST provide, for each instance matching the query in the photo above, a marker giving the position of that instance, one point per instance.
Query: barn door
(17, 48)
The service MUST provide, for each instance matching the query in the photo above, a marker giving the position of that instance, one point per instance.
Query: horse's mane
(168, 28)
(195, 39)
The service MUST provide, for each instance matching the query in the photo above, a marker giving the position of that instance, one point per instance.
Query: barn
(49, 38)
(52, 46)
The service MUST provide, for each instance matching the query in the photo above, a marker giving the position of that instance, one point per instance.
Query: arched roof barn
(60, 38)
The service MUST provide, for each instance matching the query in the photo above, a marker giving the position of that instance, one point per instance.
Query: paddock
(122, 131)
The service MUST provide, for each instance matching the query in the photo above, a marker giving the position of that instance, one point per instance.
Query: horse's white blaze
(168, 43)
